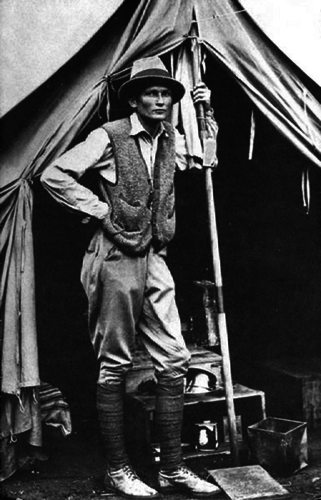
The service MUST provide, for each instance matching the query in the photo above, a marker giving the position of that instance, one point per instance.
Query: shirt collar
(137, 128)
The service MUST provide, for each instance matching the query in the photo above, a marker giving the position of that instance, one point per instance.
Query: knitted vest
(139, 212)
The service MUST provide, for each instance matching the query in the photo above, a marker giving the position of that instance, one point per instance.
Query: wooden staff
(209, 153)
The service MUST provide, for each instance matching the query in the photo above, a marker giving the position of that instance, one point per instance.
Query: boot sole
(182, 489)
(110, 489)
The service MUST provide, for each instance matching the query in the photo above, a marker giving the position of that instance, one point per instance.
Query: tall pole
(209, 147)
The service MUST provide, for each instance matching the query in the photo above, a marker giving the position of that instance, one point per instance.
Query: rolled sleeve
(61, 178)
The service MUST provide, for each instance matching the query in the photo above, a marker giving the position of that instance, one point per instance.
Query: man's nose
(160, 99)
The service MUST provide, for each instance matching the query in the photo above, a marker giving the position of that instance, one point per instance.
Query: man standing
(129, 287)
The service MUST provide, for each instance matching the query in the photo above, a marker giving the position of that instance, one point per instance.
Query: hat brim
(200, 369)
(130, 88)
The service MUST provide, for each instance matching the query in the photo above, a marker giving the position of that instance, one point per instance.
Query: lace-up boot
(183, 479)
(126, 483)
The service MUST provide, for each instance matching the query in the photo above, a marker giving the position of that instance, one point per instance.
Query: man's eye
(154, 94)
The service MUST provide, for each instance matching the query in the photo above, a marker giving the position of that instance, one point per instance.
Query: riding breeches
(129, 295)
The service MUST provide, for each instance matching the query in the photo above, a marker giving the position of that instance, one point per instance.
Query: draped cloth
(73, 97)
(21, 425)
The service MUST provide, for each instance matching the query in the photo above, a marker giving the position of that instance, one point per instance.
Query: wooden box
(142, 434)
(292, 387)
(143, 369)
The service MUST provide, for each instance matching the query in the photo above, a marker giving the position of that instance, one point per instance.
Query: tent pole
(209, 152)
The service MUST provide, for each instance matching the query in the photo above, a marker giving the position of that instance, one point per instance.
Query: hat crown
(147, 72)
(147, 64)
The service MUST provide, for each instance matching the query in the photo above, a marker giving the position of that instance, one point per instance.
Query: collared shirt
(96, 153)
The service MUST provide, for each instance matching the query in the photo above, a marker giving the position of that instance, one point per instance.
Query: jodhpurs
(129, 295)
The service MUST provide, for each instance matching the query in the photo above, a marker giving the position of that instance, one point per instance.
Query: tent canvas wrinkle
(19, 350)
(295, 26)
(264, 74)
(152, 37)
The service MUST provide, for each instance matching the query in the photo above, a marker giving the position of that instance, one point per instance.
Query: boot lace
(129, 472)
(182, 469)
(187, 471)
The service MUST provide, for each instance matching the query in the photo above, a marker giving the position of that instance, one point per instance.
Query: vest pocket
(131, 217)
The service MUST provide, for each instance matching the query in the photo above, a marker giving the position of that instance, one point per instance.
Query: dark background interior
(270, 253)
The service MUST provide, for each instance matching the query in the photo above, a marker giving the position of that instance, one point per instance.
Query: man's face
(153, 104)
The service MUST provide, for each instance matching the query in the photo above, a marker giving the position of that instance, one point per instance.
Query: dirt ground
(75, 467)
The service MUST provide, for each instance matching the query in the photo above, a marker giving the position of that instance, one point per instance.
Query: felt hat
(146, 73)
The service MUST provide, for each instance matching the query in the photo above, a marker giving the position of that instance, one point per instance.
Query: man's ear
(132, 101)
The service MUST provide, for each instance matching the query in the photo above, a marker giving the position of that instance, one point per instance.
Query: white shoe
(186, 480)
(126, 483)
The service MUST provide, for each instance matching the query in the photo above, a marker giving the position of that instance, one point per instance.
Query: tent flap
(264, 73)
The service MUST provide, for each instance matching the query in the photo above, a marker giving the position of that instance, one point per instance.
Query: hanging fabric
(305, 186)
(184, 112)
(252, 135)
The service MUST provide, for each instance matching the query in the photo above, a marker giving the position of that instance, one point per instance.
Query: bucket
(279, 445)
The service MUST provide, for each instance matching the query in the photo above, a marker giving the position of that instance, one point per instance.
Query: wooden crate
(292, 387)
(141, 432)
(143, 369)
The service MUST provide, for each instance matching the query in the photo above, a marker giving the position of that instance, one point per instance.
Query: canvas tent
(52, 117)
